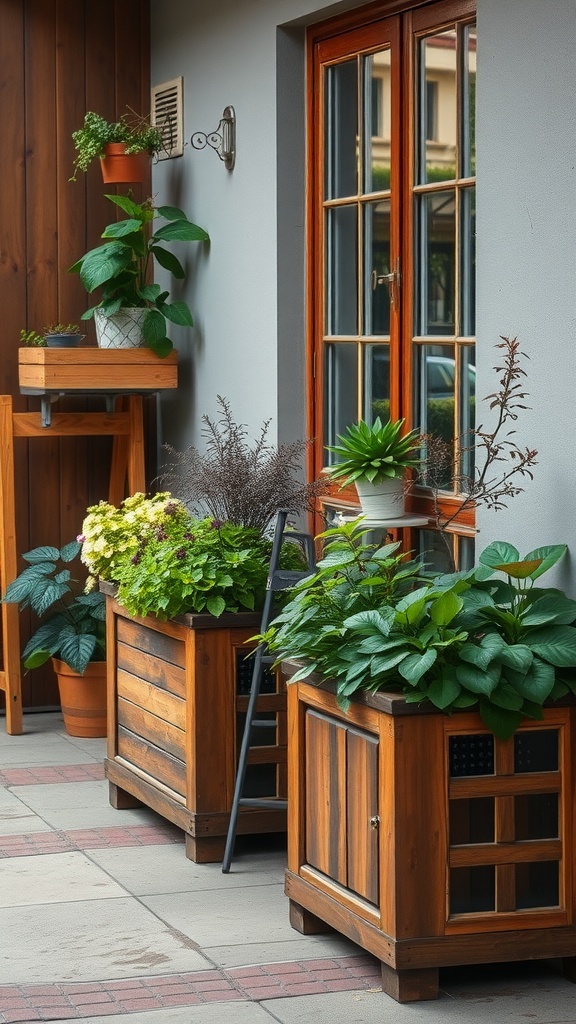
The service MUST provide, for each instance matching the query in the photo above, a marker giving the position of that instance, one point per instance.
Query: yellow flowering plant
(111, 536)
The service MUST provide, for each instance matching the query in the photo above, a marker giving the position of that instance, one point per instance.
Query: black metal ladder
(278, 579)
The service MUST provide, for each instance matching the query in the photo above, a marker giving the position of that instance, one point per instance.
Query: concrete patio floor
(103, 919)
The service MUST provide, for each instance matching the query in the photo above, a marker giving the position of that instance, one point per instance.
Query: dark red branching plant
(239, 479)
(501, 466)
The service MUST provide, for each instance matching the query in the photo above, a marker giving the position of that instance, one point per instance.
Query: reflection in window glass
(341, 388)
(435, 383)
(437, 122)
(341, 117)
(341, 270)
(536, 750)
(376, 78)
(467, 411)
(468, 261)
(436, 293)
(376, 383)
(469, 99)
(377, 264)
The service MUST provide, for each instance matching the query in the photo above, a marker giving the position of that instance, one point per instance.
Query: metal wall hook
(222, 140)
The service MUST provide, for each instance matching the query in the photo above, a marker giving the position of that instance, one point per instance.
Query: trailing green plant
(371, 620)
(375, 452)
(73, 627)
(122, 265)
(238, 479)
(96, 132)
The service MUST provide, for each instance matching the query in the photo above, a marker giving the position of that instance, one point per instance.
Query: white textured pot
(384, 500)
(120, 330)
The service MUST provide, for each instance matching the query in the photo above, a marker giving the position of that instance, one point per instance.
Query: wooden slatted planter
(177, 694)
(94, 369)
(425, 839)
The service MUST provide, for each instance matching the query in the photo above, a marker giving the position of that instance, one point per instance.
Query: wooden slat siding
(326, 796)
(145, 666)
(158, 702)
(151, 760)
(58, 60)
(152, 641)
(151, 728)
(362, 804)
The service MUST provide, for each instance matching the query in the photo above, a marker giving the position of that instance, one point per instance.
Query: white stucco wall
(228, 52)
(526, 273)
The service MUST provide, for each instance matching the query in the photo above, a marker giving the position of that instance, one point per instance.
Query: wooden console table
(123, 376)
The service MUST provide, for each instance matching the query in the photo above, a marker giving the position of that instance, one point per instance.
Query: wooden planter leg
(205, 849)
(410, 986)
(120, 799)
(305, 922)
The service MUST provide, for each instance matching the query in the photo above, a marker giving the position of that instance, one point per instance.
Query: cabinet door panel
(362, 818)
(326, 796)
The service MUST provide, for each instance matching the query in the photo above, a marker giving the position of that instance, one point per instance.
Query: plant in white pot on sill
(375, 458)
(132, 311)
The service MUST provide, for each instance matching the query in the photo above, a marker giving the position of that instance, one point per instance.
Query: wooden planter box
(177, 696)
(425, 839)
(93, 369)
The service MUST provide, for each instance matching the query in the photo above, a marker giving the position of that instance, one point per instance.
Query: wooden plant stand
(176, 691)
(425, 839)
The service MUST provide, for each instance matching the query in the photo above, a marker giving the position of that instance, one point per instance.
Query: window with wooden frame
(391, 231)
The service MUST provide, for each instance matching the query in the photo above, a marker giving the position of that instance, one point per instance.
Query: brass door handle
(375, 822)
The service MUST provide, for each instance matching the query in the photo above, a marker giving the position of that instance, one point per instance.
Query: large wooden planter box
(177, 697)
(92, 369)
(425, 839)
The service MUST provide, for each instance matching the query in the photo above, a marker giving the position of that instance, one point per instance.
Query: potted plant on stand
(132, 311)
(123, 147)
(433, 721)
(376, 457)
(72, 633)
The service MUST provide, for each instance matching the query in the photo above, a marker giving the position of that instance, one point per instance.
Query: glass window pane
(469, 101)
(342, 270)
(467, 410)
(435, 387)
(537, 885)
(468, 262)
(434, 312)
(536, 750)
(536, 816)
(471, 754)
(341, 135)
(341, 388)
(376, 383)
(472, 821)
(377, 122)
(376, 266)
(437, 108)
(436, 550)
(472, 890)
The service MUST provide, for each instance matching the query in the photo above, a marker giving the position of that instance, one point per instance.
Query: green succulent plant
(374, 453)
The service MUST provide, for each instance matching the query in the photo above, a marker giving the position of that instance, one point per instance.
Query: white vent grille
(167, 115)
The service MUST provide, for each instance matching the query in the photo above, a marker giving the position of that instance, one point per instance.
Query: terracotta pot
(83, 698)
(118, 167)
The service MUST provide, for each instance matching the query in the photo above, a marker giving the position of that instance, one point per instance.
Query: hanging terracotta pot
(83, 698)
(119, 167)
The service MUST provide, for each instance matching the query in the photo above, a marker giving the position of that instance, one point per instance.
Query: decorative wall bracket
(222, 140)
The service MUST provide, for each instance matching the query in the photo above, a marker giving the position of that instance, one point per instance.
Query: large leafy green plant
(122, 265)
(375, 452)
(371, 621)
(73, 627)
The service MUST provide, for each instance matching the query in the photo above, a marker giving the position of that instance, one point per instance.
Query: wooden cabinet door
(342, 803)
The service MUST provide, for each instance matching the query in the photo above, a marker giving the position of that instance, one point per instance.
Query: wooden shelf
(91, 370)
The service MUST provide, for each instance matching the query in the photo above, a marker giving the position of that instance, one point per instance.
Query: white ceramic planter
(384, 500)
(120, 330)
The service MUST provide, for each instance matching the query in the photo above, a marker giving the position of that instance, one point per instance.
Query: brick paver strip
(94, 770)
(34, 843)
(129, 995)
